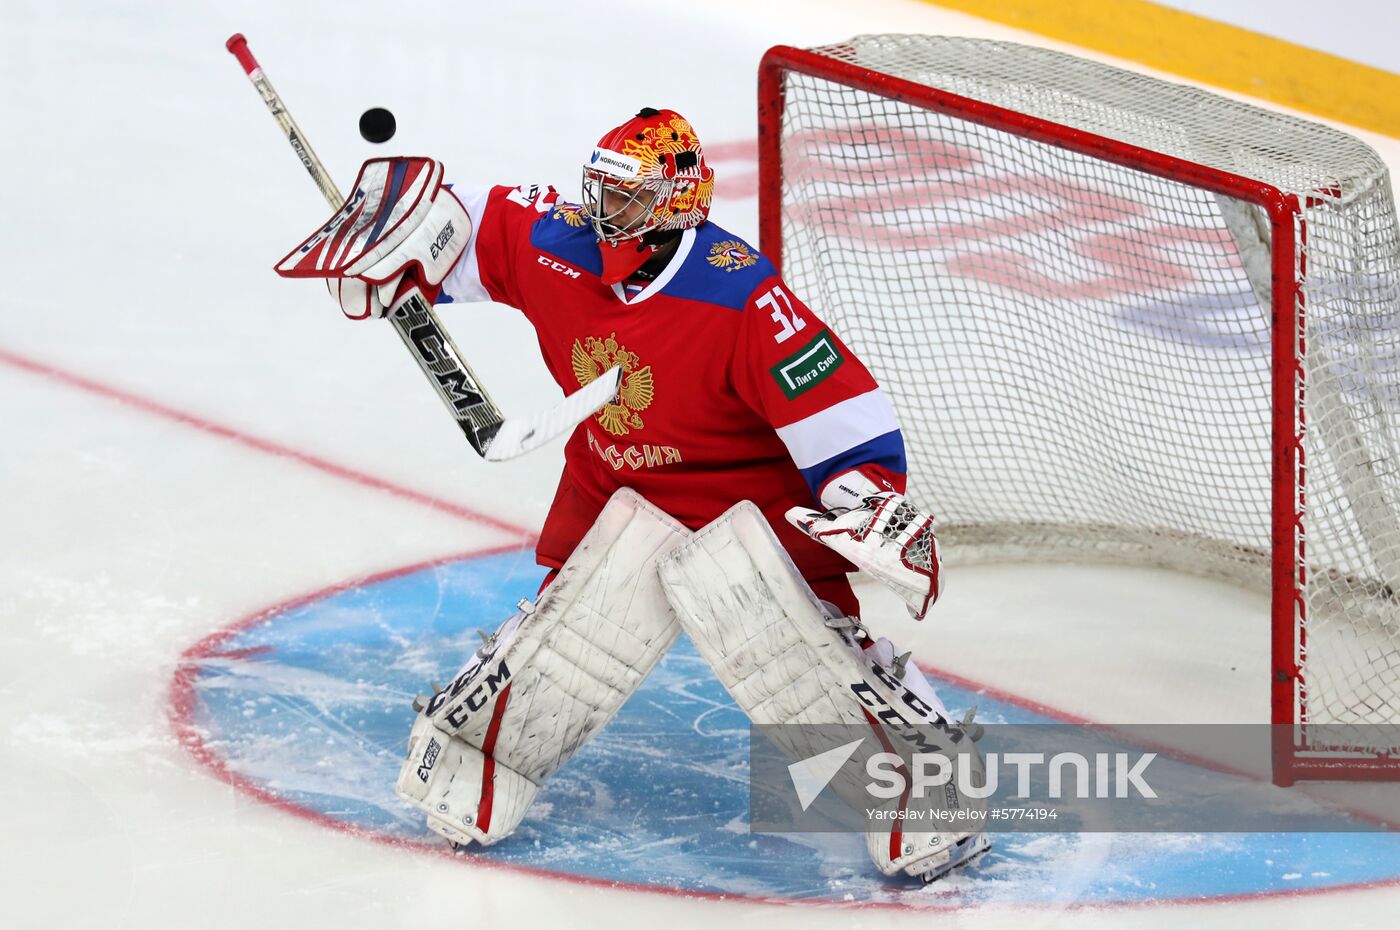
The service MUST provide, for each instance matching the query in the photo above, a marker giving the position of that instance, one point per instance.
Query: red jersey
(732, 389)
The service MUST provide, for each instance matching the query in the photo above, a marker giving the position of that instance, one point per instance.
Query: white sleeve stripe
(827, 433)
(464, 283)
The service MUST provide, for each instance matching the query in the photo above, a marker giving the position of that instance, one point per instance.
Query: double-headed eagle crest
(731, 255)
(594, 356)
(570, 213)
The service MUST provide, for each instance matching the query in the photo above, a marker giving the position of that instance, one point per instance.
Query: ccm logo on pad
(557, 266)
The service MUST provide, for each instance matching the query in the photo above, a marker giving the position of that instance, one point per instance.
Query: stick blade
(518, 436)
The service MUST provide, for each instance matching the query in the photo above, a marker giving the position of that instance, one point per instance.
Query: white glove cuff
(847, 490)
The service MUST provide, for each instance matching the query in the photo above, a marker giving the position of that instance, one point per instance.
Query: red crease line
(266, 446)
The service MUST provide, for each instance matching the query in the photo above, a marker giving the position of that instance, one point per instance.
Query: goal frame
(1288, 606)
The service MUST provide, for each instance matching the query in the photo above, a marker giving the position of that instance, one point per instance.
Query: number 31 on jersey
(789, 323)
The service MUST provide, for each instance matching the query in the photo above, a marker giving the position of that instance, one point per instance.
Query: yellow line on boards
(1211, 52)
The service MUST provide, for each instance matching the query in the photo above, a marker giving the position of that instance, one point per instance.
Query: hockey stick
(491, 435)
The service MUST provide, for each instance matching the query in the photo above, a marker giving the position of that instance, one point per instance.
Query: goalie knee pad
(545, 682)
(786, 660)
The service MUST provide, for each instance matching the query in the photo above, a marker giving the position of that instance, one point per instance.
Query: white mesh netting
(1081, 352)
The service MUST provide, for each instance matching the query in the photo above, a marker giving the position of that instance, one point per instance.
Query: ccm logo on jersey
(443, 238)
(557, 266)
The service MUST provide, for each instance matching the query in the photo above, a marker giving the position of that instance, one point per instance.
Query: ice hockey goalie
(743, 426)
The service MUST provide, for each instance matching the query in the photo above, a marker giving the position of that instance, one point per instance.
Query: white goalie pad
(786, 660)
(548, 680)
(466, 795)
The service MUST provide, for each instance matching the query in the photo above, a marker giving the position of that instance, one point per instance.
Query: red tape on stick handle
(239, 46)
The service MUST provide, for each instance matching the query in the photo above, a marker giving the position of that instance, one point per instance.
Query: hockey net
(1122, 320)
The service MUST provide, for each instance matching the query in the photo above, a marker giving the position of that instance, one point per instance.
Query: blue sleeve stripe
(886, 451)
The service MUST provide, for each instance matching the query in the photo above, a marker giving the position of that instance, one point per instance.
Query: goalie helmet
(644, 178)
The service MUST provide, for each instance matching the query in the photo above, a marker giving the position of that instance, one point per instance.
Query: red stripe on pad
(896, 830)
(488, 771)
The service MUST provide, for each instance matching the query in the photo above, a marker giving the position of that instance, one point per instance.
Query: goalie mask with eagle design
(646, 176)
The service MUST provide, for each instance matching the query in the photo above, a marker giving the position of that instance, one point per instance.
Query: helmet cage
(647, 175)
(634, 204)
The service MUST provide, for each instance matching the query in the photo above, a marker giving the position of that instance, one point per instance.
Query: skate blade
(965, 852)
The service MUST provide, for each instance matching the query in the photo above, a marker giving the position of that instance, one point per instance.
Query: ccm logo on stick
(557, 266)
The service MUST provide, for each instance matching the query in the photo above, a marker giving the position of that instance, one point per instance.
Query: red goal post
(980, 217)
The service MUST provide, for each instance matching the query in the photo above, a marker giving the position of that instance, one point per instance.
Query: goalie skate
(964, 852)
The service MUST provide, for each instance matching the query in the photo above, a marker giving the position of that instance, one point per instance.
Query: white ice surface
(147, 195)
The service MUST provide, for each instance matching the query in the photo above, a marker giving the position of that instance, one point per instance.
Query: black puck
(377, 125)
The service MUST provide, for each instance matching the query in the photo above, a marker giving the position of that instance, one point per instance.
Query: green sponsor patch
(808, 366)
